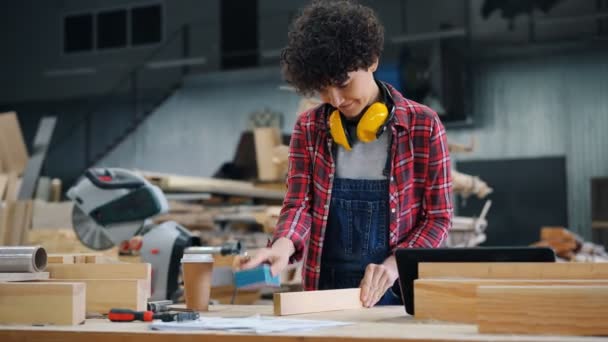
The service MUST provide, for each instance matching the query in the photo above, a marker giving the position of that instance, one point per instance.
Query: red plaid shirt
(420, 188)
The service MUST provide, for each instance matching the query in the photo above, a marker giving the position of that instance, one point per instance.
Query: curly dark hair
(329, 39)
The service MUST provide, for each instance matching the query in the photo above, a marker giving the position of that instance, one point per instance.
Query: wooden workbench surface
(386, 323)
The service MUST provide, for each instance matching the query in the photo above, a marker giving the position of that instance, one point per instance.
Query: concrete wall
(198, 128)
(539, 106)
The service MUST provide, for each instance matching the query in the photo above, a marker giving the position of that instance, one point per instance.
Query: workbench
(389, 323)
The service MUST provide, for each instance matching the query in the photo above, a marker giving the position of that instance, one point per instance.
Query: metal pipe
(22, 259)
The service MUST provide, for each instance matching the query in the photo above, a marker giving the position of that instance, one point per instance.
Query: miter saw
(113, 205)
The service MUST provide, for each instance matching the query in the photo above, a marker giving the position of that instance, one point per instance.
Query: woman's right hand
(277, 256)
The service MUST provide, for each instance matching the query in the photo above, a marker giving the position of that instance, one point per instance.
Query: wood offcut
(513, 270)
(455, 300)
(554, 310)
(292, 303)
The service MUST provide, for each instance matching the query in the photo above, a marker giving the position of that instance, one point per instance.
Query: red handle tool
(126, 315)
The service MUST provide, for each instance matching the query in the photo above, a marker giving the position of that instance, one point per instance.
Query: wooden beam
(177, 183)
(78, 258)
(60, 259)
(562, 310)
(265, 140)
(455, 300)
(514, 270)
(102, 271)
(3, 185)
(12, 147)
(293, 303)
(3, 224)
(6, 277)
(42, 303)
(12, 187)
(16, 222)
(95, 259)
(105, 294)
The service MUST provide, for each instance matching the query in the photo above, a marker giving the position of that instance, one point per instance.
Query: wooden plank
(6, 277)
(80, 258)
(77, 258)
(562, 310)
(3, 185)
(3, 224)
(102, 271)
(105, 294)
(15, 222)
(265, 139)
(42, 303)
(18, 222)
(55, 190)
(9, 221)
(12, 147)
(293, 303)
(211, 185)
(513, 270)
(12, 187)
(455, 300)
(60, 258)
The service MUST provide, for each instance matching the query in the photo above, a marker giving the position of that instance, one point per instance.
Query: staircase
(140, 92)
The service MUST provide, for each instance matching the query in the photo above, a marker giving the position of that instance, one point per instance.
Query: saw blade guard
(112, 205)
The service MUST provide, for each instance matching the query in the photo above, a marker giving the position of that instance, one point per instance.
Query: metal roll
(22, 259)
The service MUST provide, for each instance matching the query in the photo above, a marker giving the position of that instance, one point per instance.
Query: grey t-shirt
(364, 160)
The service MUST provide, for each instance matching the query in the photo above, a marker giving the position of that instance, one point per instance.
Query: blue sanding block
(256, 278)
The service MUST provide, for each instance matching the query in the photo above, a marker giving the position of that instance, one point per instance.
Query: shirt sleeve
(295, 219)
(436, 219)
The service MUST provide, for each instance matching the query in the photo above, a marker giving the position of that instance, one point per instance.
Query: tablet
(408, 259)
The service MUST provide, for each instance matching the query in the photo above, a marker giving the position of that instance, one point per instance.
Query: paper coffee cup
(197, 270)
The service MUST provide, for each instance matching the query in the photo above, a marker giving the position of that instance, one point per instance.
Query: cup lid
(197, 258)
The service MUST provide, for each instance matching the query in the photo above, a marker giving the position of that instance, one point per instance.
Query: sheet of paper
(254, 324)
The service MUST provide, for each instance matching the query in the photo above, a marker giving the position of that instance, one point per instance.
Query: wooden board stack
(74, 284)
(516, 298)
(109, 286)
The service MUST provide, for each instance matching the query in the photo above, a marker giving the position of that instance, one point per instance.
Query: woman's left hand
(376, 281)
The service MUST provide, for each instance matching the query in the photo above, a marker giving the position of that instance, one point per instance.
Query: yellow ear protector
(371, 125)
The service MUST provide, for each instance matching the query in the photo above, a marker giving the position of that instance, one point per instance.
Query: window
(112, 29)
(78, 33)
(146, 23)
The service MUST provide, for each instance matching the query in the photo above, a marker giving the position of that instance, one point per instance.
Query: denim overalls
(356, 234)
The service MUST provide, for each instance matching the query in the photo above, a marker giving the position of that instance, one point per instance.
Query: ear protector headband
(371, 125)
